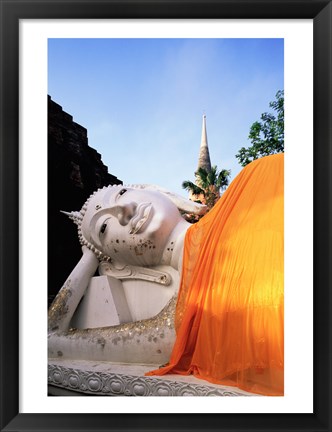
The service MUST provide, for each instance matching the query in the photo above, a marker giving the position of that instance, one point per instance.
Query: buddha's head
(131, 224)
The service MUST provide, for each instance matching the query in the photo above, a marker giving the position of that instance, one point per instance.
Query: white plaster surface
(104, 304)
(146, 299)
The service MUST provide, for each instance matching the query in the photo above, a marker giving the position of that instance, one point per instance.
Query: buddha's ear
(185, 204)
(180, 202)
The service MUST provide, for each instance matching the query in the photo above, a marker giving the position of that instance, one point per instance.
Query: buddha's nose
(126, 212)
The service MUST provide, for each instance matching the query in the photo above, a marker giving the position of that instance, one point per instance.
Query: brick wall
(75, 170)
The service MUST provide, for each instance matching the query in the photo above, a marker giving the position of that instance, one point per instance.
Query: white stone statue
(133, 235)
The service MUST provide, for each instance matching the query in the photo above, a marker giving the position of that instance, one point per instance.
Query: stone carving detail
(108, 384)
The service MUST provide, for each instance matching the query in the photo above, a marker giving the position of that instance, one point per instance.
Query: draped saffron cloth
(230, 312)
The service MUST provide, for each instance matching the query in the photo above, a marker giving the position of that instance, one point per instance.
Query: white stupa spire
(204, 155)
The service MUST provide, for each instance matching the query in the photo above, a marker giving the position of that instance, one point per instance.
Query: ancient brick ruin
(75, 170)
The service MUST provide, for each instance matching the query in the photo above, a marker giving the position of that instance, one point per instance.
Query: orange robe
(230, 311)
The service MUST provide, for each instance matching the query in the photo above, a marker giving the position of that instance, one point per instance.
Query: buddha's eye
(103, 228)
(122, 191)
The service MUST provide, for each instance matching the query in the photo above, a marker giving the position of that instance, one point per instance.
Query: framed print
(27, 31)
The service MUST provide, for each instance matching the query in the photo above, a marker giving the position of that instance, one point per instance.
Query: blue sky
(142, 100)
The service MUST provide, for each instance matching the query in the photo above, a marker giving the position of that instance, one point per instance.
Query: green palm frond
(223, 179)
(202, 176)
(212, 176)
(209, 184)
(192, 187)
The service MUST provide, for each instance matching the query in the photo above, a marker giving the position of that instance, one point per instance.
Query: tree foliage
(266, 135)
(208, 185)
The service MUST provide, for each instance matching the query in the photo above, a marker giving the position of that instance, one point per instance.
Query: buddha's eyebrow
(110, 195)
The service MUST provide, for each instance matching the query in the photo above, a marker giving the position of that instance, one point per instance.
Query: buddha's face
(132, 226)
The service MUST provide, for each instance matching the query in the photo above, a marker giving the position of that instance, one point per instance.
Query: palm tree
(208, 185)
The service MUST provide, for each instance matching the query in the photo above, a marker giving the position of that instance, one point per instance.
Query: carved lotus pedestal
(88, 378)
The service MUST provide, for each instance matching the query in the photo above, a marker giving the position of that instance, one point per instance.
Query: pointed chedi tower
(204, 154)
(204, 160)
(208, 181)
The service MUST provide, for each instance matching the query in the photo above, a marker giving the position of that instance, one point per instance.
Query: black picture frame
(11, 11)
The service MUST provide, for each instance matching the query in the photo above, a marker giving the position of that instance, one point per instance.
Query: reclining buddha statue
(203, 299)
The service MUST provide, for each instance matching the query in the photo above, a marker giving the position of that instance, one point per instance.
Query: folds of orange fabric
(230, 310)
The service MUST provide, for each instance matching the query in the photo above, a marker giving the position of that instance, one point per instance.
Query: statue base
(89, 378)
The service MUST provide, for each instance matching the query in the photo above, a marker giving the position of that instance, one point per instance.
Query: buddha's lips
(142, 214)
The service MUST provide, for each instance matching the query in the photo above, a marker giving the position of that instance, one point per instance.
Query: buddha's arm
(68, 298)
(147, 341)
